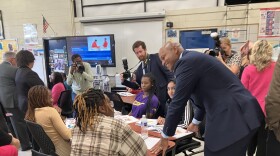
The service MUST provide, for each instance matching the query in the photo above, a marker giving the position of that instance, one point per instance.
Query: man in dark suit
(8, 97)
(232, 113)
(25, 79)
(150, 63)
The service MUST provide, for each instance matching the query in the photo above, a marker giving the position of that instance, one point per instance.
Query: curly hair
(38, 97)
(86, 106)
(261, 54)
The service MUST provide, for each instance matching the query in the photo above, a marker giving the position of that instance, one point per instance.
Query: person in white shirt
(80, 76)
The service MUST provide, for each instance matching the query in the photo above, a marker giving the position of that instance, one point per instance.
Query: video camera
(127, 73)
(215, 52)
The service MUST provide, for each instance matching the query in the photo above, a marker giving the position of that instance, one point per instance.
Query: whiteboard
(126, 33)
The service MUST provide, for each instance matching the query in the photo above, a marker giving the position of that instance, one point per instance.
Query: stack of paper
(126, 118)
(151, 142)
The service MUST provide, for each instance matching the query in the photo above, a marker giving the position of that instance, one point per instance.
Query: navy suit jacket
(25, 79)
(231, 111)
(162, 76)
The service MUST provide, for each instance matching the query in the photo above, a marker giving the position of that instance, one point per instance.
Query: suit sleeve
(5, 138)
(273, 100)
(198, 108)
(130, 84)
(186, 78)
(34, 79)
(134, 85)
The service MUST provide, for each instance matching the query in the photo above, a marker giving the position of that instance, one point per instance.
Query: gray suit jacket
(8, 96)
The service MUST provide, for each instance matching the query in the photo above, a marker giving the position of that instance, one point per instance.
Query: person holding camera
(231, 59)
(150, 63)
(80, 76)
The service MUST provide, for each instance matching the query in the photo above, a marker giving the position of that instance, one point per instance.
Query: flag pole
(49, 25)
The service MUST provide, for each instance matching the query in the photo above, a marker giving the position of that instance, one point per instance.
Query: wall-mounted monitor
(94, 49)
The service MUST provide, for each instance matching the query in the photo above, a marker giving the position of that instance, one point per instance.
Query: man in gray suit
(9, 100)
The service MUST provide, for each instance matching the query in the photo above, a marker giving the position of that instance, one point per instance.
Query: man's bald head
(170, 53)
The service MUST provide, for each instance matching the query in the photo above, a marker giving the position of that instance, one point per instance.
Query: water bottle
(144, 127)
(106, 83)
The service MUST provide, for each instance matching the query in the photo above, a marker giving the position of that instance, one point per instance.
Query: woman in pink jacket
(256, 78)
(58, 87)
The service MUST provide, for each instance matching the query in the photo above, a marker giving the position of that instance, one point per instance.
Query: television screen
(96, 49)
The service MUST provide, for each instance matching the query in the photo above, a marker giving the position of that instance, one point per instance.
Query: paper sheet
(126, 118)
(125, 94)
(151, 142)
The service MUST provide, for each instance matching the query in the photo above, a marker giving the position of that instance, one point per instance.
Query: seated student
(146, 102)
(40, 110)
(170, 90)
(98, 133)
(188, 110)
(64, 77)
(58, 87)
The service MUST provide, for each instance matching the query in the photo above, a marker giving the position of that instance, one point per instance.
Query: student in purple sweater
(146, 102)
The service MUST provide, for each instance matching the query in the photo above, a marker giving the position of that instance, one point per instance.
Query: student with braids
(146, 102)
(98, 133)
(41, 111)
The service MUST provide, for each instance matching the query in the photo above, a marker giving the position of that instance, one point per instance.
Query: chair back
(65, 103)
(36, 153)
(116, 98)
(42, 139)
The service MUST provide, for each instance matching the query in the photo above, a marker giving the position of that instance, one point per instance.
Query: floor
(28, 153)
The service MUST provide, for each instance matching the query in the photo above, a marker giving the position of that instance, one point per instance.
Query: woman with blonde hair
(41, 111)
(231, 59)
(256, 78)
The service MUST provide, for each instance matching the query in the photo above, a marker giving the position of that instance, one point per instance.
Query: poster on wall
(8, 45)
(1, 27)
(30, 34)
(269, 22)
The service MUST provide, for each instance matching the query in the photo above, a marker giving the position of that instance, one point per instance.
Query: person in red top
(105, 44)
(256, 78)
(94, 44)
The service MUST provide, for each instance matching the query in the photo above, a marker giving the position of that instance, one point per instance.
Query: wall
(105, 7)
(215, 17)
(58, 14)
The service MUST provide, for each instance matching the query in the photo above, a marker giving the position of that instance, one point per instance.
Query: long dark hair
(151, 92)
(57, 77)
(38, 97)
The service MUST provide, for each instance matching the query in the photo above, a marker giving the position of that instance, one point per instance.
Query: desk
(173, 141)
(171, 144)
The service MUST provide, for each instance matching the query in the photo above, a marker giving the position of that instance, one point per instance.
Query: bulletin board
(8, 45)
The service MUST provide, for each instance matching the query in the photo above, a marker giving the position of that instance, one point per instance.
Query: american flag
(45, 25)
